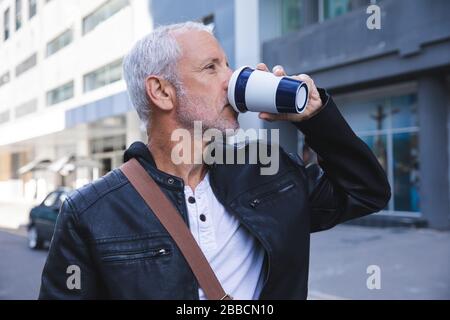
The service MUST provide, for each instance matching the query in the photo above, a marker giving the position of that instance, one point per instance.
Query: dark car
(43, 218)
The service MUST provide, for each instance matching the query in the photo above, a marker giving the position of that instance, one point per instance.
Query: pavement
(413, 263)
(13, 215)
(410, 263)
(20, 267)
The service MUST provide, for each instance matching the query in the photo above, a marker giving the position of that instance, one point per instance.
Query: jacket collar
(141, 152)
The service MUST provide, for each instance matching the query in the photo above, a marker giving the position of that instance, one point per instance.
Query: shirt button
(170, 181)
(191, 200)
(203, 217)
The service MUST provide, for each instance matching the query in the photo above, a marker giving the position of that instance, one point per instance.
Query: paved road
(20, 267)
(414, 264)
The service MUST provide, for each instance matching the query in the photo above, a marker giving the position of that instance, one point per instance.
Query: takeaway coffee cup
(260, 91)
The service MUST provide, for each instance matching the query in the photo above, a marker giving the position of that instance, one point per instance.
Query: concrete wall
(343, 52)
(413, 45)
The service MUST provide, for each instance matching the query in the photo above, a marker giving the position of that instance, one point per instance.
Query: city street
(359, 87)
(414, 264)
(20, 267)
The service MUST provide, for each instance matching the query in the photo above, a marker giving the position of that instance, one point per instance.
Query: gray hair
(155, 54)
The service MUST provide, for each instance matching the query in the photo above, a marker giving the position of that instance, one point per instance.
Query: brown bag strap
(177, 228)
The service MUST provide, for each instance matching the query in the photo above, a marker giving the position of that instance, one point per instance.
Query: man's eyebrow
(208, 60)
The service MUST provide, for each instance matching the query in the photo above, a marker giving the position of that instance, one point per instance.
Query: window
(55, 200)
(18, 14)
(103, 76)
(26, 65)
(4, 78)
(25, 108)
(6, 29)
(335, 8)
(389, 126)
(51, 199)
(4, 116)
(60, 42)
(32, 8)
(60, 94)
(291, 15)
(62, 198)
(102, 13)
(108, 144)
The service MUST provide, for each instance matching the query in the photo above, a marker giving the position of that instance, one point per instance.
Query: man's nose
(228, 74)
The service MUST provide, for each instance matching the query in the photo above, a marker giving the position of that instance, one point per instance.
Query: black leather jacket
(107, 230)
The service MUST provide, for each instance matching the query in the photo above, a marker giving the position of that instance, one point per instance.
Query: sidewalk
(414, 263)
(14, 214)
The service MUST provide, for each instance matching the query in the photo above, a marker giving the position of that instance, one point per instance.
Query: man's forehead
(198, 46)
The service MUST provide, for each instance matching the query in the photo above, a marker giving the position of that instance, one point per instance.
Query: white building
(65, 117)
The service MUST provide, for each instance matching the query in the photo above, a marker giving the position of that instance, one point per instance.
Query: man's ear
(161, 93)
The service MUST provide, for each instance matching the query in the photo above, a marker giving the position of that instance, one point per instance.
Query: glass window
(4, 78)
(102, 13)
(62, 197)
(51, 199)
(406, 172)
(26, 65)
(60, 94)
(59, 200)
(367, 115)
(103, 76)
(108, 144)
(404, 111)
(6, 29)
(32, 8)
(390, 128)
(378, 144)
(4, 116)
(335, 8)
(291, 15)
(18, 14)
(60, 42)
(26, 108)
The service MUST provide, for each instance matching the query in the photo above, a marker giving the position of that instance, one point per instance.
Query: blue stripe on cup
(239, 91)
(286, 94)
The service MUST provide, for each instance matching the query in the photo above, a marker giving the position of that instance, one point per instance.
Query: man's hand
(314, 104)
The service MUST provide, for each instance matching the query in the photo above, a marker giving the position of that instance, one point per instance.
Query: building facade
(65, 117)
(391, 84)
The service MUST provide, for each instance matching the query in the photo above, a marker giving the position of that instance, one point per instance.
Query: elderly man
(253, 229)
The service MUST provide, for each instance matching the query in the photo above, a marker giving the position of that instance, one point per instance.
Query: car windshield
(51, 199)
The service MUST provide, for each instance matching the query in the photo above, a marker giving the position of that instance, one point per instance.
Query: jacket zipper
(136, 255)
(261, 198)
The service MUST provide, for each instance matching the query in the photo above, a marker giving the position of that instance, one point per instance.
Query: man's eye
(211, 67)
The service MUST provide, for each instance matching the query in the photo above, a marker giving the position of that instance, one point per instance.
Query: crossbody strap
(177, 228)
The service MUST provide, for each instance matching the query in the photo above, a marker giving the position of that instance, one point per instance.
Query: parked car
(43, 218)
